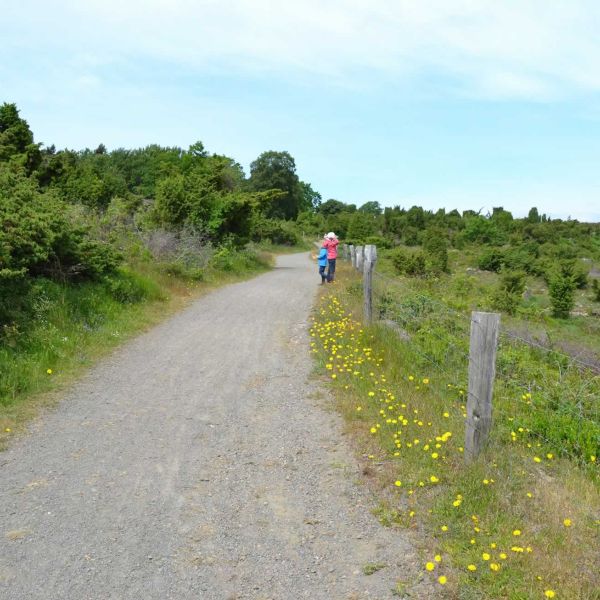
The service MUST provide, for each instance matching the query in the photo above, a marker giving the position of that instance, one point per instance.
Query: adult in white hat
(331, 242)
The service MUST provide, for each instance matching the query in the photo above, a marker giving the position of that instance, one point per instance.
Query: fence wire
(546, 399)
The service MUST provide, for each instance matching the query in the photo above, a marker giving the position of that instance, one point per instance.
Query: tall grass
(523, 520)
(66, 326)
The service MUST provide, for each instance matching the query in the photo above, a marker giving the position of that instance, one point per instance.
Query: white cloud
(530, 49)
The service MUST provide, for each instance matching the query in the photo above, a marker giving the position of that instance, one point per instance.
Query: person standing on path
(322, 262)
(331, 243)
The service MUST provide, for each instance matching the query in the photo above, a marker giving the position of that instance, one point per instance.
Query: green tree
(277, 171)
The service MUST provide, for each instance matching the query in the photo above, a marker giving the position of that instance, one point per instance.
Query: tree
(16, 139)
(331, 207)
(311, 200)
(277, 171)
(371, 208)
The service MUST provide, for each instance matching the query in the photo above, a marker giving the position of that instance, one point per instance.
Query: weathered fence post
(370, 259)
(344, 251)
(482, 370)
(359, 258)
(353, 255)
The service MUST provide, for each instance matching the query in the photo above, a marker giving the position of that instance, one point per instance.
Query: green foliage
(508, 294)
(435, 246)
(491, 259)
(409, 263)
(562, 293)
(40, 237)
(277, 171)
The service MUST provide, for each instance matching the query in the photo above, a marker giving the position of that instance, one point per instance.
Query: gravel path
(193, 463)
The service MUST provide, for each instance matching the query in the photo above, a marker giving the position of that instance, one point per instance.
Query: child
(322, 262)
(331, 243)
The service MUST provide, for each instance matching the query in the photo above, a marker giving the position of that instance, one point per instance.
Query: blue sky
(466, 104)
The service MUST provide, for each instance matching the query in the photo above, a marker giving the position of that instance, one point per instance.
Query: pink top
(331, 246)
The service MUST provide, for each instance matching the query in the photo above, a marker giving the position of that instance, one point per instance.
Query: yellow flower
(486, 482)
(430, 566)
(433, 479)
(373, 430)
(49, 371)
(567, 523)
(442, 580)
(472, 567)
(371, 393)
(494, 566)
(549, 456)
(425, 381)
(437, 558)
(397, 483)
(502, 555)
(537, 459)
(517, 532)
(444, 528)
(434, 455)
(485, 556)
(549, 594)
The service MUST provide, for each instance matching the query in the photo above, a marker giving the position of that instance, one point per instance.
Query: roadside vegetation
(523, 520)
(96, 245)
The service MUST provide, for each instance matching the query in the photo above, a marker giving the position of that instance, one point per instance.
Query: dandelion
(49, 371)
(437, 558)
(517, 532)
(373, 430)
(549, 456)
(442, 579)
(537, 459)
(7, 430)
(425, 381)
(434, 455)
(430, 566)
(549, 593)
(444, 528)
(485, 556)
(433, 479)
(397, 483)
(494, 566)
(371, 394)
(567, 523)
(471, 567)
(502, 555)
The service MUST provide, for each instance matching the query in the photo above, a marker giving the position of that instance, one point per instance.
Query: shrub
(562, 294)
(491, 260)
(507, 296)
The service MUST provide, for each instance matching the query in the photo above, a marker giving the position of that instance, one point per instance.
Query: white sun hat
(331, 235)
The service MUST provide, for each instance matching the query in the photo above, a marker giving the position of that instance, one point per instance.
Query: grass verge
(523, 520)
(70, 326)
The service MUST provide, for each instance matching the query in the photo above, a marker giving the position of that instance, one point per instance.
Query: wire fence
(546, 399)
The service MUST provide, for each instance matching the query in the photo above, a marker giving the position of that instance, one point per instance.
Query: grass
(523, 520)
(70, 326)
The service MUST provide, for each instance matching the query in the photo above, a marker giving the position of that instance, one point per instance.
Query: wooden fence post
(353, 255)
(370, 260)
(359, 258)
(482, 371)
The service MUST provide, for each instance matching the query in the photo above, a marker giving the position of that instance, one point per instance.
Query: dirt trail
(194, 464)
